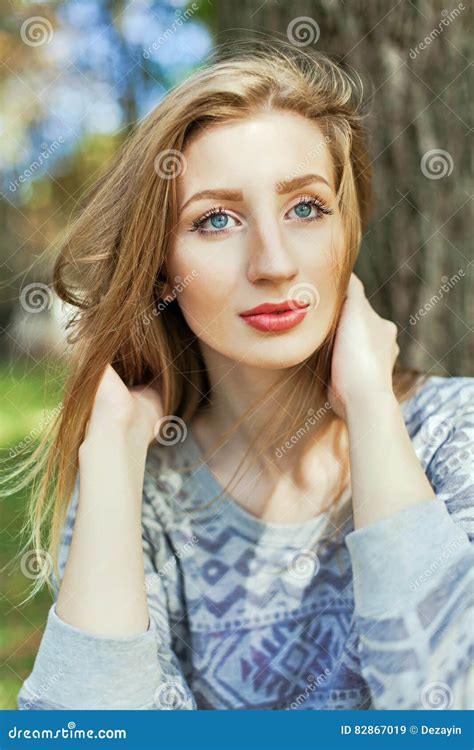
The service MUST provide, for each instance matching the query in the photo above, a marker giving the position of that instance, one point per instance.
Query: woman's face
(274, 235)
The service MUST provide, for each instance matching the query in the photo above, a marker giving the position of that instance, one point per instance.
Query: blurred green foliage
(28, 392)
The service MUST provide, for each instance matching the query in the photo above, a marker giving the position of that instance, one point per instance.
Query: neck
(237, 387)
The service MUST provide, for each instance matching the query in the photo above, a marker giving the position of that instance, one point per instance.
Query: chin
(278, 354)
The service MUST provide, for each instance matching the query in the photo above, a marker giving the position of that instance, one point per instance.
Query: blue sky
(89, 64)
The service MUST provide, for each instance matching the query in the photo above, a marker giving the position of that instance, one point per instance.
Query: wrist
(374, 403)
(115, 438)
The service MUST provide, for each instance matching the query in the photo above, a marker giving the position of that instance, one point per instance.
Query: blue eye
(304, 210)
(305, 205)
(219, 221)
(219, 217)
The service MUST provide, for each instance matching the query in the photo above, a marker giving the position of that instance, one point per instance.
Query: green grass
(28, 391)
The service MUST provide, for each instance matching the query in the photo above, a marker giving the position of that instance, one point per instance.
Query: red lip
(276, 317)
(275, 307)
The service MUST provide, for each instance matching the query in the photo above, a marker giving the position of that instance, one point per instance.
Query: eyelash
(308, 199)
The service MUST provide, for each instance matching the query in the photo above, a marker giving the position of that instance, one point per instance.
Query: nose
(269, 258)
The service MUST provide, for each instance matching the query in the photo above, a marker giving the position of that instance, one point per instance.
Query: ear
(167, 290)
(163, 286)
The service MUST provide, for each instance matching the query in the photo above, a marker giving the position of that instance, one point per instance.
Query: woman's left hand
(365, 351)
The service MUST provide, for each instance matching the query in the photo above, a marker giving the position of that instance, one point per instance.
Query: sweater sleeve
(413, 584)
(75, 669)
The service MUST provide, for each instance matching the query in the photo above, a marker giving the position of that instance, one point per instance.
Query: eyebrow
(282, 187)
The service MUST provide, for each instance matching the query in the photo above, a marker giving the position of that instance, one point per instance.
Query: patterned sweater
(247, 614)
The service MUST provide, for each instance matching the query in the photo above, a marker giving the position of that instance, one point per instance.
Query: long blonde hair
(111, 265)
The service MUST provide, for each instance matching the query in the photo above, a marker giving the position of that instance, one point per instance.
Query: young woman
(267, 511)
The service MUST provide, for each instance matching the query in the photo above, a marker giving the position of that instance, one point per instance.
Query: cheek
(330, 250)
(207, 289)
(337, 244)
(319, 272)
(319, 250)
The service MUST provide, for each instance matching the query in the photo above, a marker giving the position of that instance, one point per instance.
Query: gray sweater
(247, 614)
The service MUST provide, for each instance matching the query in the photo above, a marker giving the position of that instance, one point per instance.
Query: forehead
(259, 150)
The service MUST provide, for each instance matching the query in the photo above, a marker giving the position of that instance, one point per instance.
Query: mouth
(274, 318)
(276, 307)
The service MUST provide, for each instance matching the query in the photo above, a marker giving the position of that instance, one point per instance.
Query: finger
(396, 352)
(392, 327)
(355, 285)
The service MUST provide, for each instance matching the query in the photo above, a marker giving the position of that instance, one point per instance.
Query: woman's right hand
(136, 410)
